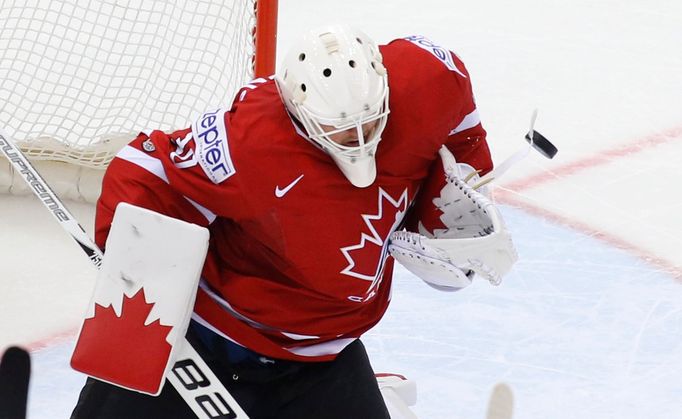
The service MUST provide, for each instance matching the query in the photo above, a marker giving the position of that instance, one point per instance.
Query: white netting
(80, 78)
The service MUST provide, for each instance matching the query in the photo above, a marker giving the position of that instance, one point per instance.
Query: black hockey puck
(542, 144)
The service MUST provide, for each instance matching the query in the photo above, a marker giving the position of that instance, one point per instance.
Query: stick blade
(542, 144)
(501, 403)
(15, 371)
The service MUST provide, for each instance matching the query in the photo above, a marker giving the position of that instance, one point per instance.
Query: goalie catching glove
(472, 240)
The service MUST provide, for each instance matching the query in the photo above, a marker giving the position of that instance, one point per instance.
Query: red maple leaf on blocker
(122, 350)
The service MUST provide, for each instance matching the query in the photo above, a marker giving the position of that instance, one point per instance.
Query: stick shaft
(48, 198)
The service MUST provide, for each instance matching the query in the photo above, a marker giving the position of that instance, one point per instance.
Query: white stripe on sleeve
(469, 121)
(143, 160)
(154, 166)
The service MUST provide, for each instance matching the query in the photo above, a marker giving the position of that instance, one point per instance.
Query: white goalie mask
(334, 83)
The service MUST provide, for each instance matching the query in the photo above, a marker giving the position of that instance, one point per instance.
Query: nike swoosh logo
(281, 192)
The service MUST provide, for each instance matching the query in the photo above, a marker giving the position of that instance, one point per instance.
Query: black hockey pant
(266, 389)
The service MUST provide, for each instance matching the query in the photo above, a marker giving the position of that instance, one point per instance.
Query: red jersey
(298, 265)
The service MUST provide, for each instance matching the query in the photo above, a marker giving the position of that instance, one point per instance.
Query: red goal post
(78, 80)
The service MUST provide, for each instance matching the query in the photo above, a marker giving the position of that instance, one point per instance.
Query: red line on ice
(52, 340)
(599, 159)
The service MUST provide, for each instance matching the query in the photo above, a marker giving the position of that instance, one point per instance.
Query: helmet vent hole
(327, 72)
(351, 63)
(303, 87)
(373, 65)
(359, 40)
(301, 56)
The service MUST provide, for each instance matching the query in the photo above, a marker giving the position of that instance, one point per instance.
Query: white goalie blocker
(140, 309)
(472, 239)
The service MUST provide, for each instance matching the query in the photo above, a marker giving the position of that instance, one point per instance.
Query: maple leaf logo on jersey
(366, 258)
(123, 350)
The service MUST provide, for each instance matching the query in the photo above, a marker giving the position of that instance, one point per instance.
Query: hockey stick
(41, 189)
(535, 140)
(191, 376)
(15, 372)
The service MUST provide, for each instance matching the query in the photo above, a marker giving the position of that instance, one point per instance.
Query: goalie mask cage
(80, 78)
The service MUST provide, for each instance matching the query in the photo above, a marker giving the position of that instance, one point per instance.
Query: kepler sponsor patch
(212, 148)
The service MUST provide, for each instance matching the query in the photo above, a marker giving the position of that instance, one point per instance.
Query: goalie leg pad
(399, 393)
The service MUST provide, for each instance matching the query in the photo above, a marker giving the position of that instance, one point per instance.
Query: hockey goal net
(79, 79)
